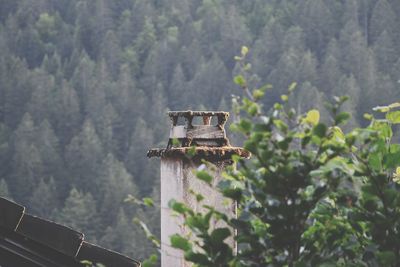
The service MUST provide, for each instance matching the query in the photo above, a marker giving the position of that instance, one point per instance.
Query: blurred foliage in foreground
(310, 196)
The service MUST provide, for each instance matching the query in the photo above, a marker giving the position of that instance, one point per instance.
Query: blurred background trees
(84, 86)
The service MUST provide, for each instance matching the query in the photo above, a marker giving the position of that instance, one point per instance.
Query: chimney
(194, 136)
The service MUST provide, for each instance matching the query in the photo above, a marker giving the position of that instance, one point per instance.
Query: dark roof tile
(56, 236)
(27, 241)
(10, 214)
(109, 258)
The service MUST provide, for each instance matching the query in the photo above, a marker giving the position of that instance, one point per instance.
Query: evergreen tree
(80, 213)
(17, 91)
(382, 19)
(84, 156)
(125, 30)
(354, 49)
(40, 105)
(116, 184)
(145, 40)
(234, 34)
(211, 75)
(85, 31)
(178, 92)
(111, 52)
(318, 23)
(26, 163)
(4, 150)
(268, 47)
(141, 139)
(4, 192)
(43, 201)
(82, 78)
(68, 118)
(120, 236)
(349, 86)
(385, 52)
(330, 75)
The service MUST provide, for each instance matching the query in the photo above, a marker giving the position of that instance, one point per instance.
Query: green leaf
(245, 125)
(258, 94)
(393, 116)
(391, 160)
(220, 234)
(375, 161)
(368, 116)
(253, 109)
(176, 142)
(197, 221)
(320, 130)
(312, 117)
(386, 108)
(148, 202)
(247, 66)
(284, 144)
(180, 242)
(381, 108)
(177, 206)
(244, 50)
(198, 258)
(281, 125)
(396, 176)
(394, 105)
(204, 176)
(151, 261)
(342, 117)
(233, 193)
(191, 152)
(338, 134)
(240, 80)
(305, 141)
(87, 263)
(292, 86)
(383, 127)
(265, 87)
(398, 171)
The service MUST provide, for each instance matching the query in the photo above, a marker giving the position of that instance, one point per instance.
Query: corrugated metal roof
(26, 240)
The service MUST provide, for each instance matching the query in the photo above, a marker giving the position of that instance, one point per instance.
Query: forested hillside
(84, 86)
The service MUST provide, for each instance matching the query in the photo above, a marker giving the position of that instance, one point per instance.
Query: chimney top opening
(202, 131)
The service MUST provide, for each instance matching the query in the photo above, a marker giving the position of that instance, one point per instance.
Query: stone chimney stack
(194, 136)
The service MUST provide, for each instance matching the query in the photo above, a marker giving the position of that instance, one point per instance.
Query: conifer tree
(120, 236)
(44, 201)
(4, 192)
(84, 156)
(382, 19)
(80, 213)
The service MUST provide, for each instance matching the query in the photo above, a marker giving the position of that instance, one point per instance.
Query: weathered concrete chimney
(189, 144)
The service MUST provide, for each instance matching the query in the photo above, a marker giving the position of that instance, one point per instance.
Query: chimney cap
(201, 141)
(213, 154)
(197, 113)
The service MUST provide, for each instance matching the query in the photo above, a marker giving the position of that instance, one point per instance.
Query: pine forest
(85, 86)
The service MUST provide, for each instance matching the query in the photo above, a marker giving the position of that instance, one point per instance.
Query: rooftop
(30, 241)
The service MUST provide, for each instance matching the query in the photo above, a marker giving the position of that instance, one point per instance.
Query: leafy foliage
(311, 195)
